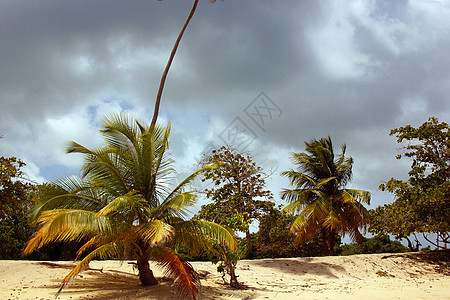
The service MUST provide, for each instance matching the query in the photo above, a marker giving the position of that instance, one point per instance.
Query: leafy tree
(238, 187)
(15, 204)
(237, 191)
(320, 197)
(123, 206)
(422, 202)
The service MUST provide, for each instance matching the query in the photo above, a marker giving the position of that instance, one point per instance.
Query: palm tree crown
(320, 197)
(122, 205)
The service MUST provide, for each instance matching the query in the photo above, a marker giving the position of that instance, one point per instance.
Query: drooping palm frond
(105, 251)
(66, 225)
(182, 271)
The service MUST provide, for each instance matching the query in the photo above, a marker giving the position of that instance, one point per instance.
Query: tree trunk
(169, 63)
(145, 274)
(233, 278)
(249, 244)
(324, 247)
(332, 241)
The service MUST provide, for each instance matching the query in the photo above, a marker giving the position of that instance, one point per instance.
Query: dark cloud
(349, 70)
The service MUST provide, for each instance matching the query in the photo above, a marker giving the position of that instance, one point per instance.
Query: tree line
(121, 205)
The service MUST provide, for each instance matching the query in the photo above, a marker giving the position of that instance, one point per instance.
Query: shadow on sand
(305, 266)
(115, 284)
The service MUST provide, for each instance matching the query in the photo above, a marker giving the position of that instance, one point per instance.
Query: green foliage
(320, 198)
(237, 193)
(422, 202)
(15, 205)
(377, 244)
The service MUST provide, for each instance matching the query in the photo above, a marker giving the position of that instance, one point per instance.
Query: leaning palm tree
(320, 198)
(122, 206)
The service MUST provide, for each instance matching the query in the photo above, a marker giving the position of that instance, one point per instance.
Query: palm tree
(320, 197)
(122, 206)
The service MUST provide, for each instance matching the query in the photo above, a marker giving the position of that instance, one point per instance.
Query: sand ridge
(372, 276)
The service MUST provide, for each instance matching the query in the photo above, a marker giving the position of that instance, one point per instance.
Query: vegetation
(274, 238)
(15, 204)
(237, 193)
(376, 244)
(319, 195)
(124, 208)
(422, 203)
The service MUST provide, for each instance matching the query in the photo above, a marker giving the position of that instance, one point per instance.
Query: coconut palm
(320, 198)
(122, 206)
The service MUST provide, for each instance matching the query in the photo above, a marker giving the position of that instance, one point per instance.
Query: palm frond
(182, 271)
(104, 251)
(191, 177)
(155, 232)
(66, 225)
(126, 204)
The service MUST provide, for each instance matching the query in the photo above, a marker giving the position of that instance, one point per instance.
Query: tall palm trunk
(169, 63)
(145, 274)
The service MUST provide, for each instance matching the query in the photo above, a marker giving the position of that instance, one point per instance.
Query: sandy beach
(373, 276)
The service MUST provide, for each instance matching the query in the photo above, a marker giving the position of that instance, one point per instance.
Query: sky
(262, 75)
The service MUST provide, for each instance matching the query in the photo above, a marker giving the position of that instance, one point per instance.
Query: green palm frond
(191, 177)
(175, 205)
(299, 179)
(360, 195)
(130, 203)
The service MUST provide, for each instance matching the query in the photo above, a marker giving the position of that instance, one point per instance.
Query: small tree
(237, 194)
(422, 202)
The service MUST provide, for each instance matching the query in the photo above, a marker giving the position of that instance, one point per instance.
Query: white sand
(350, 277)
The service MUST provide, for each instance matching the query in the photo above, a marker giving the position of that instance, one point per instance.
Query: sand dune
(374, 276)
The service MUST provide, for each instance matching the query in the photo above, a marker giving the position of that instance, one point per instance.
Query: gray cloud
(350, 70)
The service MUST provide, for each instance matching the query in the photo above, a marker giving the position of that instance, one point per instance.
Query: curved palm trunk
(169, 63)
(145, 274)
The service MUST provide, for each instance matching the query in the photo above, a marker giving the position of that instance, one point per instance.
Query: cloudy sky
(264, 75)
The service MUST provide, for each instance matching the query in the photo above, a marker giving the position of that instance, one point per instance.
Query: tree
(237, 192)
(320, 197)
(15, 204)
(422, 203)
(123, 207)
(238, 187)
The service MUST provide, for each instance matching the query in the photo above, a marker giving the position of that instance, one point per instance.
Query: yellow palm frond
(155, 231)
(105, 251)
(66, 225)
